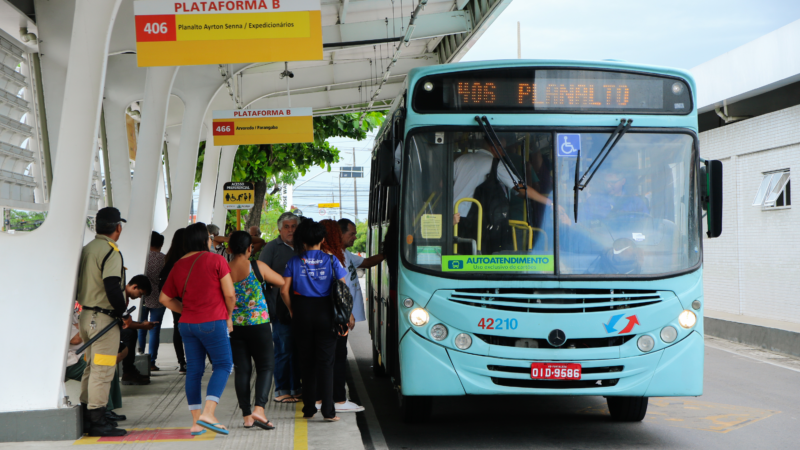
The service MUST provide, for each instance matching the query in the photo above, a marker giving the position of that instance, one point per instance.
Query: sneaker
(182, 369)
(154, 368)
(135, 379)
(348, 406)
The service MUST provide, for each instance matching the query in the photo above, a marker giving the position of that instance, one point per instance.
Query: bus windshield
(464, 213)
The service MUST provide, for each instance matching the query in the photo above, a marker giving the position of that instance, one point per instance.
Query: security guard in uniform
(101, 292)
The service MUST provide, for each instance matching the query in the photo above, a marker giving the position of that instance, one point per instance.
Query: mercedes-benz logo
(556, 338)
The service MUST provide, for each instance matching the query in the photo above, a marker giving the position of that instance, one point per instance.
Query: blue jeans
(199, 339)
(156, 315)
(287, 365)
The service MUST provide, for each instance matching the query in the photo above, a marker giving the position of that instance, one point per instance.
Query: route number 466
(223, 129)
(156, 28)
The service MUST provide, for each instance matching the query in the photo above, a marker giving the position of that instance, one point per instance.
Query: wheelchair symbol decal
(569, 144)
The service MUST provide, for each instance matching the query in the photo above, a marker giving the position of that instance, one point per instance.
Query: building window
(775, 190)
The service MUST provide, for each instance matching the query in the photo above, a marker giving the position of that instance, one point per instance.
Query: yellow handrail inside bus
(425, 205)
(527, 231)
(480, 222)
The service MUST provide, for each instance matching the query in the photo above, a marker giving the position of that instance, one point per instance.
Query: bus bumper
(430, 369)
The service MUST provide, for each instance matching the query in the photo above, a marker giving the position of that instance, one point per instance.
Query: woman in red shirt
(202, 280)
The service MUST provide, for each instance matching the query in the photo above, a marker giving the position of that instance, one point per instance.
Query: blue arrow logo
(611, 323)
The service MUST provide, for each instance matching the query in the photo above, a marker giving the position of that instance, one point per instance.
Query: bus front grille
(558, 300)
(505, 341)
(554, 384)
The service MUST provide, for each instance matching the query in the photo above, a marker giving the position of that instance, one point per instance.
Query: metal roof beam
(426, 26)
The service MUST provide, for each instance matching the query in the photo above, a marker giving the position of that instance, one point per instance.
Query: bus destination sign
(549, 90)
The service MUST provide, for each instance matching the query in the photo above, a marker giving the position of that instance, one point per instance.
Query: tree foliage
(361, 238)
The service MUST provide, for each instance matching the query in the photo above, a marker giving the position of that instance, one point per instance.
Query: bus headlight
(463, 341)
(419, 317)
(696, 305)
(408, 303)
(687, 319)
(438, 332)
(646, 343)
(669, 334)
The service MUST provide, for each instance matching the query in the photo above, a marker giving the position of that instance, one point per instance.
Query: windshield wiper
(488, 130)
(581, 184)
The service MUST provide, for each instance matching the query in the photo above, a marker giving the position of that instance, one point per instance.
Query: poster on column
(262, 126)
(238, 195)
(171, 33)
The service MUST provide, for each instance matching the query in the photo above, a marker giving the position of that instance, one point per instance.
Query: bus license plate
(547, 371)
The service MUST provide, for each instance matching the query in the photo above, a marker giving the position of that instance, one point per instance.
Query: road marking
(300, 428)
(140, 435)
(696, 415)
(753, 353)
(375, 432)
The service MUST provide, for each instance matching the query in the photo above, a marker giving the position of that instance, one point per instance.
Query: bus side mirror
(711, 195)
(386, 170)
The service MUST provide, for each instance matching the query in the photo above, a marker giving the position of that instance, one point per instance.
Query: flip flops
(198, 433)
(264, 425)
(213, 427)
(286, 400)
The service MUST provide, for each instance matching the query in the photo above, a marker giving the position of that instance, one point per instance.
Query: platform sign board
(172, 33)
(236, 195)
(262, 126)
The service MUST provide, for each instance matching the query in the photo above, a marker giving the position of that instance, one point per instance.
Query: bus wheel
(627, 409)
(377, 368)
(414, 409)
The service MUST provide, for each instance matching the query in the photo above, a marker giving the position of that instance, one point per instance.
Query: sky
(674, 33)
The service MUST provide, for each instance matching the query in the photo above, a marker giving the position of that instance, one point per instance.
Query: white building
(749, 105)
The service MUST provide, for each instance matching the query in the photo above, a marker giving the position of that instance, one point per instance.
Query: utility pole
(519, 43)
(340, 196)
(355, 185)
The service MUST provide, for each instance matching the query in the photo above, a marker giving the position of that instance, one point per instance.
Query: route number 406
(156, 28)
(498, 324)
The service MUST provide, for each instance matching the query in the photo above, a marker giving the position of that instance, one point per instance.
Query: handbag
(342, 302)
(266, 289)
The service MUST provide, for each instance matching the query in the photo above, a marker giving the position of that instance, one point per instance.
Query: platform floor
(158, 418)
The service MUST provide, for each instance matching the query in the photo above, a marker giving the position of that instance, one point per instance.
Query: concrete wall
(754, 268)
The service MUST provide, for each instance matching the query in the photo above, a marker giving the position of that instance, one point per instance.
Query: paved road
(751, 401)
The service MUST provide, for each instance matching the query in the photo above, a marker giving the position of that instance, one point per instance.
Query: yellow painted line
(300, 428)
(141, 435)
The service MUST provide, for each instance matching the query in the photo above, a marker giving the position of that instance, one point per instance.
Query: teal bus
(542, 225)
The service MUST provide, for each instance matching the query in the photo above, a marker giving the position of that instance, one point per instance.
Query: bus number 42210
(497, 324)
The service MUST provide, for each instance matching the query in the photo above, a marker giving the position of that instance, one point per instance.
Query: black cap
(110, 215)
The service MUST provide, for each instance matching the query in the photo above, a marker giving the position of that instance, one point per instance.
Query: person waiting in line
(341, 235)
(310, 275)
(255, 235)
(76, 365)
(177, 250)
(138, 286)
(276, 254)
(251, 339)
(218, 243)
(152, 310)
(202, 280)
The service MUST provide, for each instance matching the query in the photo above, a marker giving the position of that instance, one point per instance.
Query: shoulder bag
(342, 301)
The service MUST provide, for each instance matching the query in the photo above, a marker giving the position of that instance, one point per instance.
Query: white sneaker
(348, 406)
(319, 405)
